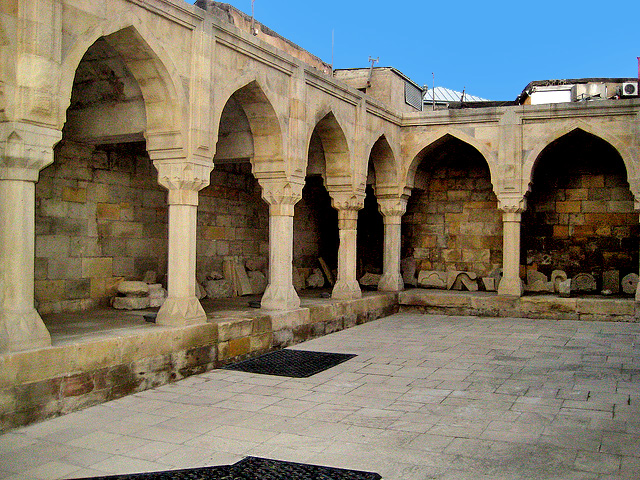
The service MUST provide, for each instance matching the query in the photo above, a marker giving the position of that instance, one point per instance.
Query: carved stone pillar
(392, 210)
(347, 286)
(511, 217)
(281, 195)
(24, 151)
(183, 179)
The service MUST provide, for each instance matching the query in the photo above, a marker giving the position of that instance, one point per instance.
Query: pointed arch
(264, 123)
(336, 149)
(149, 64)
(440, 136)
(534, 155)
(383, 158)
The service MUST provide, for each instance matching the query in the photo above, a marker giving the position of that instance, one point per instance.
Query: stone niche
(100, 216)
(580, 215)
(452, 220)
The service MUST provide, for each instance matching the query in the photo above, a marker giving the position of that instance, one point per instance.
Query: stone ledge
(535, 306)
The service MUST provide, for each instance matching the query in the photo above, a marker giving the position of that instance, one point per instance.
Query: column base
(511, 287)
(180, 312)
(391, 283)
(346, 290)
(22, 330)
(280, 297)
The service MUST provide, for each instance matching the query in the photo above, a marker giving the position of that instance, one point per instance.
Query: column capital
(25, 149)
(392, 206)
(512, 204)
(281, 195)
(183, 178)
(347, 201)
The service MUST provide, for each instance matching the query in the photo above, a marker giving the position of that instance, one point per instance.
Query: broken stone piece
(150, 276)
(630, 283)
(534, 276)
(583, 282)
(564, 288)
(298, 279)
(130, 303)
(489, 284)
(316, 279)
(219, 289)
(258, 282)
(408, 268)
(158, 295)
(133, 289)
(253, 264)
(538, 286)
(432, 279)
(214, 275)
(465, 281)
(611, 281)
(452, 276)
(370, 280)
(557, 276)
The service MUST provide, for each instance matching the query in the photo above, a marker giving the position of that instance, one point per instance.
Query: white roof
(447, 95)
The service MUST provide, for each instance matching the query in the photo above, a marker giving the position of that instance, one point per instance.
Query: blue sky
(492, 48)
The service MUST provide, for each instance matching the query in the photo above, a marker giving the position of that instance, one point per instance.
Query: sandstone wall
(580, 215)
(452, 221)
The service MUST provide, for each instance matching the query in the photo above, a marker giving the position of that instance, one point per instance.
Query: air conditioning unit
(630, 89)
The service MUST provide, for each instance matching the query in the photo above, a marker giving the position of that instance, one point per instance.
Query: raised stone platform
(489, 304)
(118, 353)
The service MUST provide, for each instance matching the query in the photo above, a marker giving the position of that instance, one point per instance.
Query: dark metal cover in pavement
(253, 468)
(291, 363)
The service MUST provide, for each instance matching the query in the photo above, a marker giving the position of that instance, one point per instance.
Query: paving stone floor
(427, 397)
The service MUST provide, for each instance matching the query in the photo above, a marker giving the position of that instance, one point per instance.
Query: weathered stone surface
(316, 279)
(219, 289)
(535, 276)
(253, 264)
(465, 281)
(214, 275)
(130, 303)
(452, 276)
(432, 279)
(370, 280)
(133, 289)
(408, 268)
(468, 283)
(630, 283)
(583, 282)
(489, 284)
(564, 288)
(611, 281)
(298, 280)
(557, 276)
(258, 281)
(150, 276)
(201, 292)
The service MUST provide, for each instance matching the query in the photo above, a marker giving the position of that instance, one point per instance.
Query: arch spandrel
(625, 152)
(150, 65)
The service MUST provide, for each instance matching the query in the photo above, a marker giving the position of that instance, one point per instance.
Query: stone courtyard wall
(580, 215)
(452, 220)
(233, 220)
(100, 217)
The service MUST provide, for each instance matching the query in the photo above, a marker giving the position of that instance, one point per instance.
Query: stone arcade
(138, 135)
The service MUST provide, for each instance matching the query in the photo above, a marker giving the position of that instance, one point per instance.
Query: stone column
(183, 179)
(392, 210)
(511, 283)
(24, 151)
(347, 286)
(281, 196)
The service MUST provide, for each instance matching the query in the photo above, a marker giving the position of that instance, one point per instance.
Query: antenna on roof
(333, 31)
(433, 92)
(254, 32)
(373, 61)
(462, 96)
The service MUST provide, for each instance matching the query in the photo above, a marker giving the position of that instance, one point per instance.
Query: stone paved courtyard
(427, 397)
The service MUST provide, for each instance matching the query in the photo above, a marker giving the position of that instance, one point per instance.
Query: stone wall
(452, 221)
(580, 215)
(100, 216)
(232, 219)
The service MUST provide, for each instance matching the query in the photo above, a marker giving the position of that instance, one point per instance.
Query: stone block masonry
(100, 217)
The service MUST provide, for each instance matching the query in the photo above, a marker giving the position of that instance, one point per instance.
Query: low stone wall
(40, 384)
(489, 304)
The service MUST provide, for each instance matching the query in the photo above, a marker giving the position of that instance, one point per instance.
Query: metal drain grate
(291, 363)
(253, 468)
